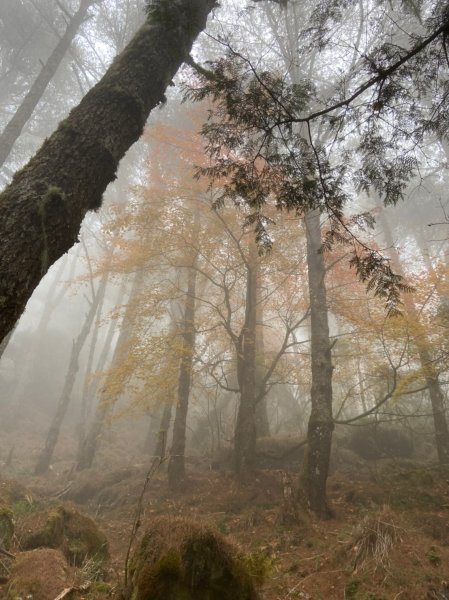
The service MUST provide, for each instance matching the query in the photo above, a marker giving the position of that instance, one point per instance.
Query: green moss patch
(179, 559)
(6, 527)
(75, 534)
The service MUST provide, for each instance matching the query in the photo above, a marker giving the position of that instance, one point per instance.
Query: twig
(6, 553)
(66, 591)
(155, 465)
(64, 490)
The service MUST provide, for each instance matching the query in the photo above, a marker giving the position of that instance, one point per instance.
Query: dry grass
(375, 539)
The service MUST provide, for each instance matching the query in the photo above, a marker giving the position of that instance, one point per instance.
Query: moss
(433, 557)
(101, 588)
(351, 588)
(181, 560)
(76, 534)
(6, 527)
(53, 202)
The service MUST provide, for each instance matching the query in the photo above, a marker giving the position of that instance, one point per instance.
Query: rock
(39, 574)
(372, 442)
(178, 558)
(74, 533)
(90, 482)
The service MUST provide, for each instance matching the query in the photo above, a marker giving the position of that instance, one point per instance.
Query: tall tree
(319, 435)
(47, 200)
(176, 465)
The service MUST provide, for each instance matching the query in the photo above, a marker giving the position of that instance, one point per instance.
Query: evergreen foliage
(275, 141)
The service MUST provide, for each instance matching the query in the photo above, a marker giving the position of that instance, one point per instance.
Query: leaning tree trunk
(176, 464)
(14, 128)
(88, 447)
(42, 209)
(46, 455)
(5, 341)
(423, 345)
(245, 427)
(319, 434)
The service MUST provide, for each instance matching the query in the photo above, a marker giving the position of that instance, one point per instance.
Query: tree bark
(4, 343)
(55, 427)
(315, 469)
(176, 464)
(14, 128)
(88, 447)
(43, 207)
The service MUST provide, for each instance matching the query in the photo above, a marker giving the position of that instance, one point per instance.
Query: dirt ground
(388, 539)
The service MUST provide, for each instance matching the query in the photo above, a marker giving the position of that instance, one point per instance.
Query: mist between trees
(265, 276)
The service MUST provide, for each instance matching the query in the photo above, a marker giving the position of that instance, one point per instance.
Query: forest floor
(388, 539)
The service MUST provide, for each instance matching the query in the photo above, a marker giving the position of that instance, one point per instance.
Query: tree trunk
(4, 343)
(14, 128)
(176, 464)
(90, 387)
(42, 209)
(159, 440)
(423, 345)
(319, 434)
(88, 448)
(55, 427)
(262, 421)
(245, 428)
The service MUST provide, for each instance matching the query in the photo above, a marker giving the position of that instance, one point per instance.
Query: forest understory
(387, 538)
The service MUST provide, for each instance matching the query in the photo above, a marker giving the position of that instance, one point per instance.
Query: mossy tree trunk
(15, 126)
(43, 207)
(315, 469)
(4, 343)
(176, 464)
(46, 455)
(88, 446)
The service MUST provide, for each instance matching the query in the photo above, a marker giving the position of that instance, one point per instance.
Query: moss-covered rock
(40, 574)
(75, 534)
(11, 491)
(179, 559)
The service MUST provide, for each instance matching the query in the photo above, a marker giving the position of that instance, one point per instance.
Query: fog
(251, 331)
